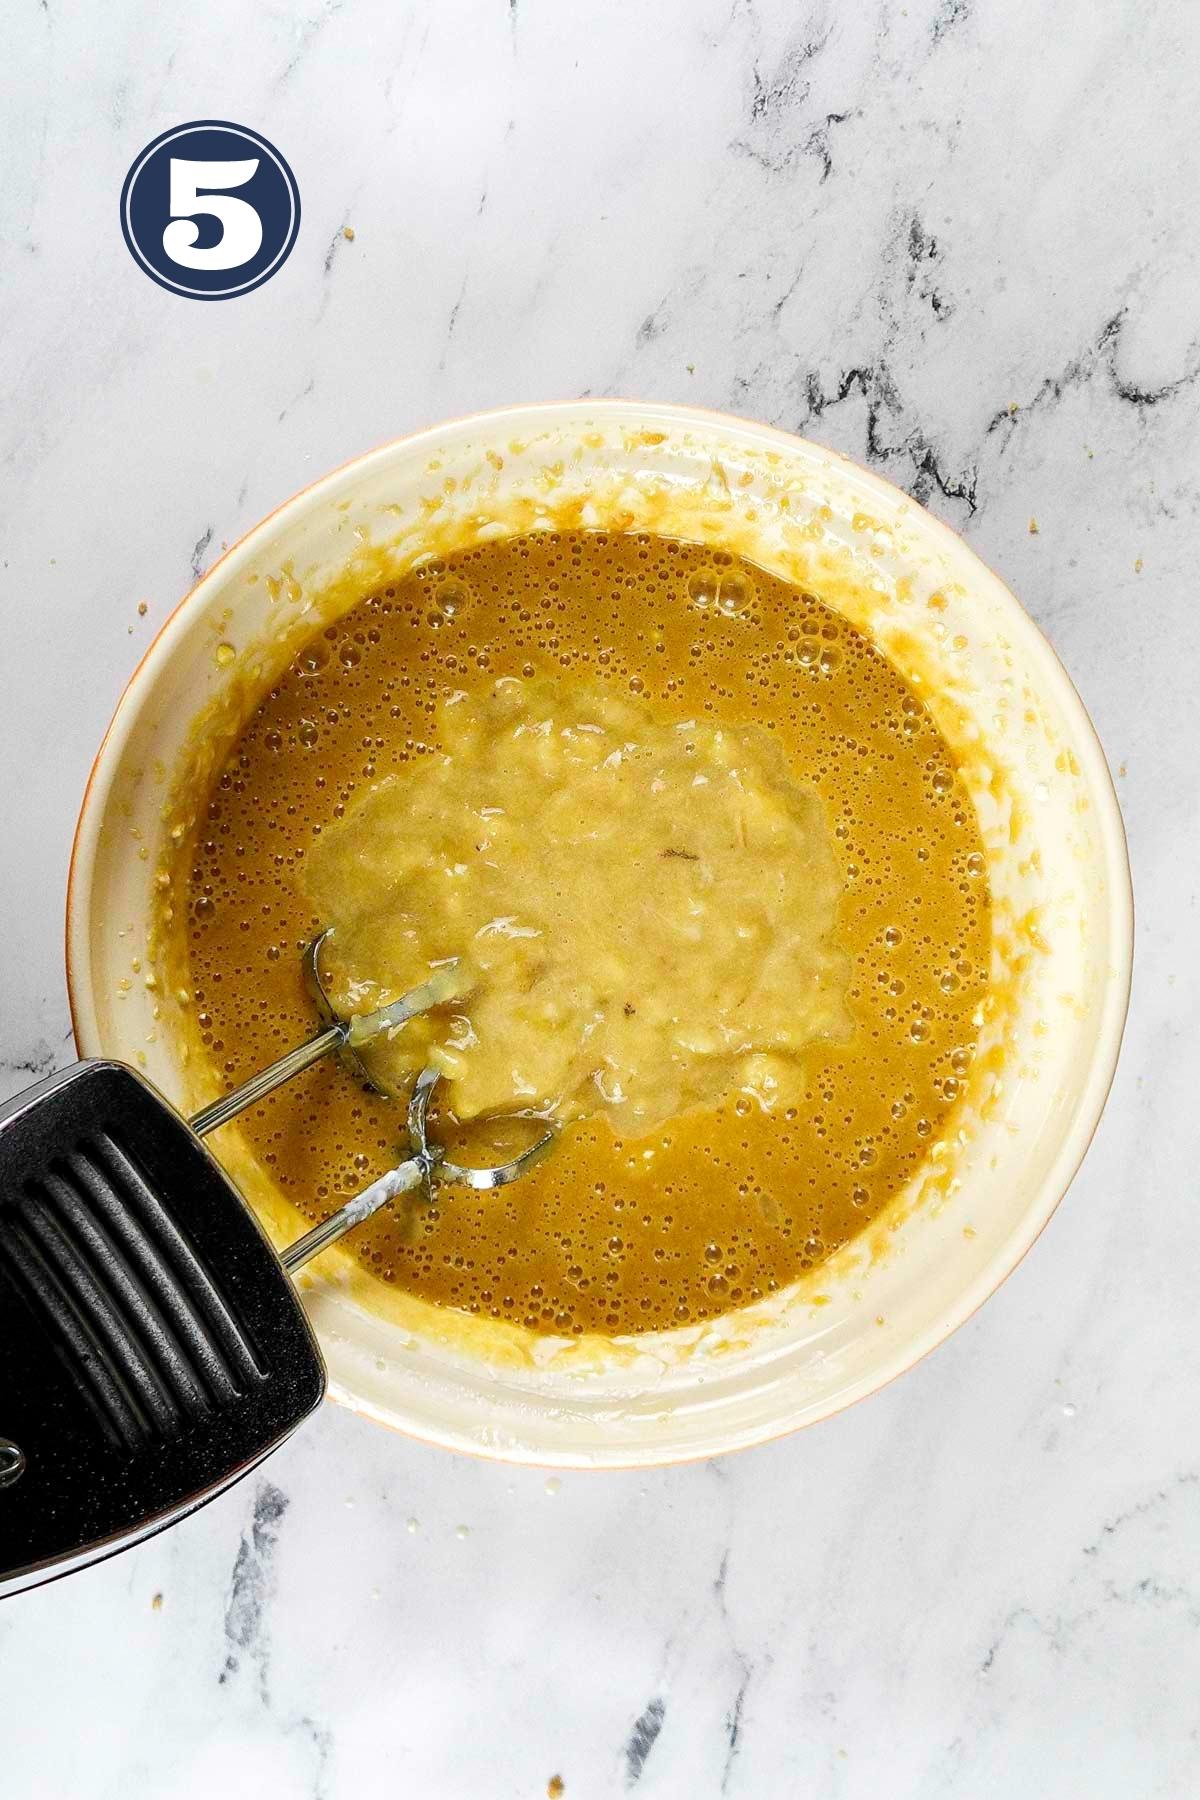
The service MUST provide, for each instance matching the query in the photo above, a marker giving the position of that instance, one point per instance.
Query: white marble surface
(885, 226)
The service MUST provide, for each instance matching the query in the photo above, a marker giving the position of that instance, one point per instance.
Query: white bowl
(1058, 869)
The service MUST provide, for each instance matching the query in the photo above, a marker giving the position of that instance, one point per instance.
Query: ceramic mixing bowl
(1057, 864)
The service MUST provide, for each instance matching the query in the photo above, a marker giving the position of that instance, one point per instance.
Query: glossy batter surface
(630, 1225)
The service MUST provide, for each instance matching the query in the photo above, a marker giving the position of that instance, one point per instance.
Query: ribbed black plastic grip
(144, 1330)
(151, 1346)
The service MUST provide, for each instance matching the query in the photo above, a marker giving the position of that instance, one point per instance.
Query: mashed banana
(435, 774)
(644, 909)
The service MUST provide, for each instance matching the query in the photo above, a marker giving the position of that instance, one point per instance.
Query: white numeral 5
(241, 227)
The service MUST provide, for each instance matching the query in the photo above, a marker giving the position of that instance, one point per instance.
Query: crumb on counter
(1137, 567)
(156, 1603)
(143, 609)
(348, 233)
(1033, 527)
(555, 1787)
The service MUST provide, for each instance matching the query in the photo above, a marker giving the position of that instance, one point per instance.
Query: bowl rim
(1112, 1016)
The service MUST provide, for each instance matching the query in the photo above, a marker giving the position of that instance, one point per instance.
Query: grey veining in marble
(959, 240)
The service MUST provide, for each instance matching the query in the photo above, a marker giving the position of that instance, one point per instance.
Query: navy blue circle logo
(210, 210)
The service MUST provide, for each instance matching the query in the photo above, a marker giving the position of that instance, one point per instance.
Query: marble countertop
(957, 239)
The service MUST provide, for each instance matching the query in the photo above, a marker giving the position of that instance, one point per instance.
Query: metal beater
(345, 1036)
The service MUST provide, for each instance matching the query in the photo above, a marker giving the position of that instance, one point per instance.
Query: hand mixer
(152, 1346)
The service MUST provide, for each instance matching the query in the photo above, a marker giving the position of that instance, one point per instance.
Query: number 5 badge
(210, 210)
